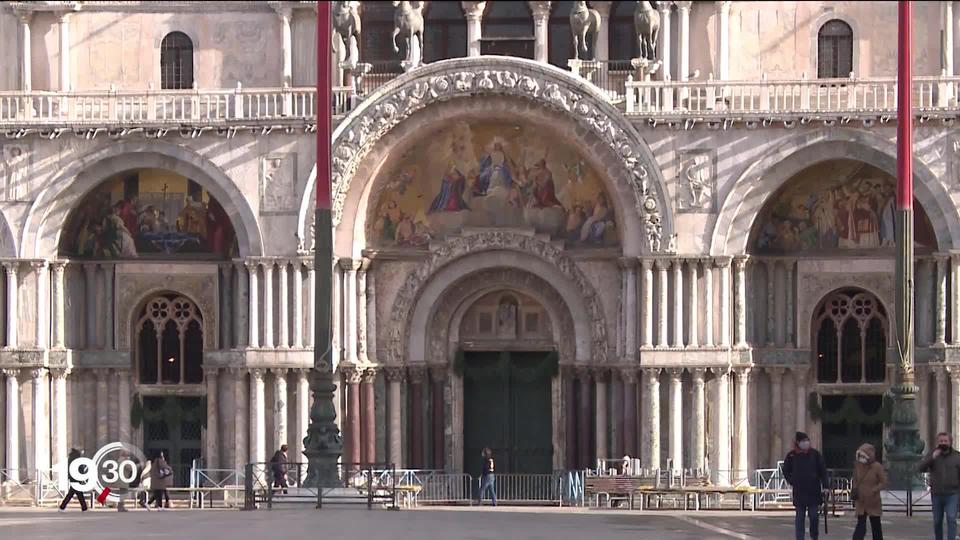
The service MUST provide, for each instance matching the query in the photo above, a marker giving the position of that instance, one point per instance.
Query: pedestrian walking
(869, 479)
(278, 466)
(943, 464)
(145, 490)
(160, 479)
(806, 472)
(72, 456)
(488, 478)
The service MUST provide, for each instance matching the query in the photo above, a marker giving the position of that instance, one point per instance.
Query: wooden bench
(614, 488)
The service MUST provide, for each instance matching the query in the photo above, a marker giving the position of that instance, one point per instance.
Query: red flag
(103, 495)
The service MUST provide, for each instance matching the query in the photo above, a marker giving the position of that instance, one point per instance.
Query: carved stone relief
(953, 151)
(697, 183)
(277, 178)
(14, 171)
(133, 288)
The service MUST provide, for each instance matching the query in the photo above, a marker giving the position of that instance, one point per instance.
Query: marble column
(647, 292)
(699, 419)
(26, 60)
(298, 314)
(362, 311)
(678, 303)
(64, 51)
(13, 317)
(58, 413)
(303, 409)
(676, 417)
(584, 420)
(280, 413)
(790, 330)
(651, 426)
(253, 339)
(352, 430)
(415, 376)
(240, 299)
(776, 414)
(474, 14)
(941, 300)
(743, 423)
(258, 431)
(284, 327)
(107, 316)
(943, 397)
(724, 441)
(725, 308)
(268, 334)
(723, 40)
(102, 406)
(438, 380)
(240, 454)
(955, 400)
(569, 376)
(771, 267)
(664, 46)
(603, 33)
(312, 309)
(226, 297)
(740, 310)
(41, 419)
(395, 378)
(955, 299)
(922, 377)
(693, 338)
(123, 405)
(946, 25)
(211, 450)
(541, 30)
(708, 302)
(286, 46)
(663, 301)
(369, 416)
(683, 9)
(43, 327)
(629, 303)
(628, 376)
(800, 383)
(600, 386)
(59, 311)
(350, 267)
(13, 424)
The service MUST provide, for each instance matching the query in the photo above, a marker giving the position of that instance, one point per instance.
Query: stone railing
(766, 98)
(164, 107)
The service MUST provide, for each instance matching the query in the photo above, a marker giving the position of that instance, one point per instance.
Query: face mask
(863, 459)
(944, 447)
(804, 445)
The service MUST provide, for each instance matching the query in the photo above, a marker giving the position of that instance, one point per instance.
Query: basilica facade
(677, 247)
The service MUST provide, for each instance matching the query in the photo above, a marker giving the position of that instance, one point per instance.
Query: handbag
(165, 472)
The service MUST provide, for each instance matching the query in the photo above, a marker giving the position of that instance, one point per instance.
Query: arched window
(176, 62)
(851, 338)
(622, 41)
(834, 50)
(445, 31)
(507, 29)
(169, 345)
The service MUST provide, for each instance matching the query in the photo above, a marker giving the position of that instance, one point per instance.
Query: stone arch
(8, 243)
(544, 85)
(45, 219)
(131, 303)
(761, 180)
(884, 313)
(465, 255)
(819, 287)
(443, 328)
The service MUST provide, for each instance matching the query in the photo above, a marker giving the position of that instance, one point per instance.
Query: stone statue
(408, 20)
(346, 32)
(583, 21)
(646, 21)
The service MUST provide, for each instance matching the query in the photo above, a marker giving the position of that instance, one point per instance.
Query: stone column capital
(256, 374)
(101, 373)
(58, 266)
(776, 371)
(954, 372)
(11, 266)
(676, 374)
(739, 263)
(349, 265)
(743, 373)
(473, 10)
(11, 372)
(59, 372)
(602, 7)
(395, 373)
(721, 262)
(416, 374)
(627, 263)
(37, 372)
(279, 371)
(647, 264)
(351, 373)
(652, 374)
(719, 371)
(121, 372)
(540, 9)
(664, 7)
(628, 374)
(723, 5)
(698, 374)
(662, 264)
(308, 264)
(238, 372)
(252, 264)
(38, 265)
(210, 372)
(369, 375)
(23, 15)
(267, 263)
(600, 373)
(438, 374)
(584, 373)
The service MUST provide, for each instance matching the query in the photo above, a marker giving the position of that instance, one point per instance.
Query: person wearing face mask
(869, 479)
(943, 464)
(806, 472)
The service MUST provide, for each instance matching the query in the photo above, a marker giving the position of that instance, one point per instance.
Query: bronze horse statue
(583, 21)
(346, 29)
(408, 20)
(646, 22)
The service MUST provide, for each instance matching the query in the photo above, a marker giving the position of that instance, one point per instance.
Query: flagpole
(903, 444)
(322, 445)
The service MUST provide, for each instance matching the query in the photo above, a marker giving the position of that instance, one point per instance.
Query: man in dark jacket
(943, 464)
(278, 465)
(805, 470)
(71, 457)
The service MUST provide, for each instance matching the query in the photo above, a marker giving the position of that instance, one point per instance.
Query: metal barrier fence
(355, 483)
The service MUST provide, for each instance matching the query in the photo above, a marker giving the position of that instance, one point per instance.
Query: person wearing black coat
(806, 472)
(71, 457)
(278, 466)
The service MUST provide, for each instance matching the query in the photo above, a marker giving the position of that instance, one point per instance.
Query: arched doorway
(850, 337)
(508, 362)
(168, 362)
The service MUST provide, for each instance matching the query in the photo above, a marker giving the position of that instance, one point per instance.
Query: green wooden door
(507, 406)
(173, 425)
(842, 437)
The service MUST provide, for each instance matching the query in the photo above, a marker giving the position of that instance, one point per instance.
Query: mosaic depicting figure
(490, 174)
(149, 213)
(843, 205)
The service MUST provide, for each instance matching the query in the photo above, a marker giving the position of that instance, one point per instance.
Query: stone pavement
(426, 524)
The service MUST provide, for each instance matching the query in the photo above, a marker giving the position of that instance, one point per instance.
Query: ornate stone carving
(416, 374)
(438, 374)
(278, 173)
(398, 100)
(351, 374)
(133, 288)
(369, 375)
(14, 170)
(459, 246)
(698, 179)
(395, 373)
(628, 374)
